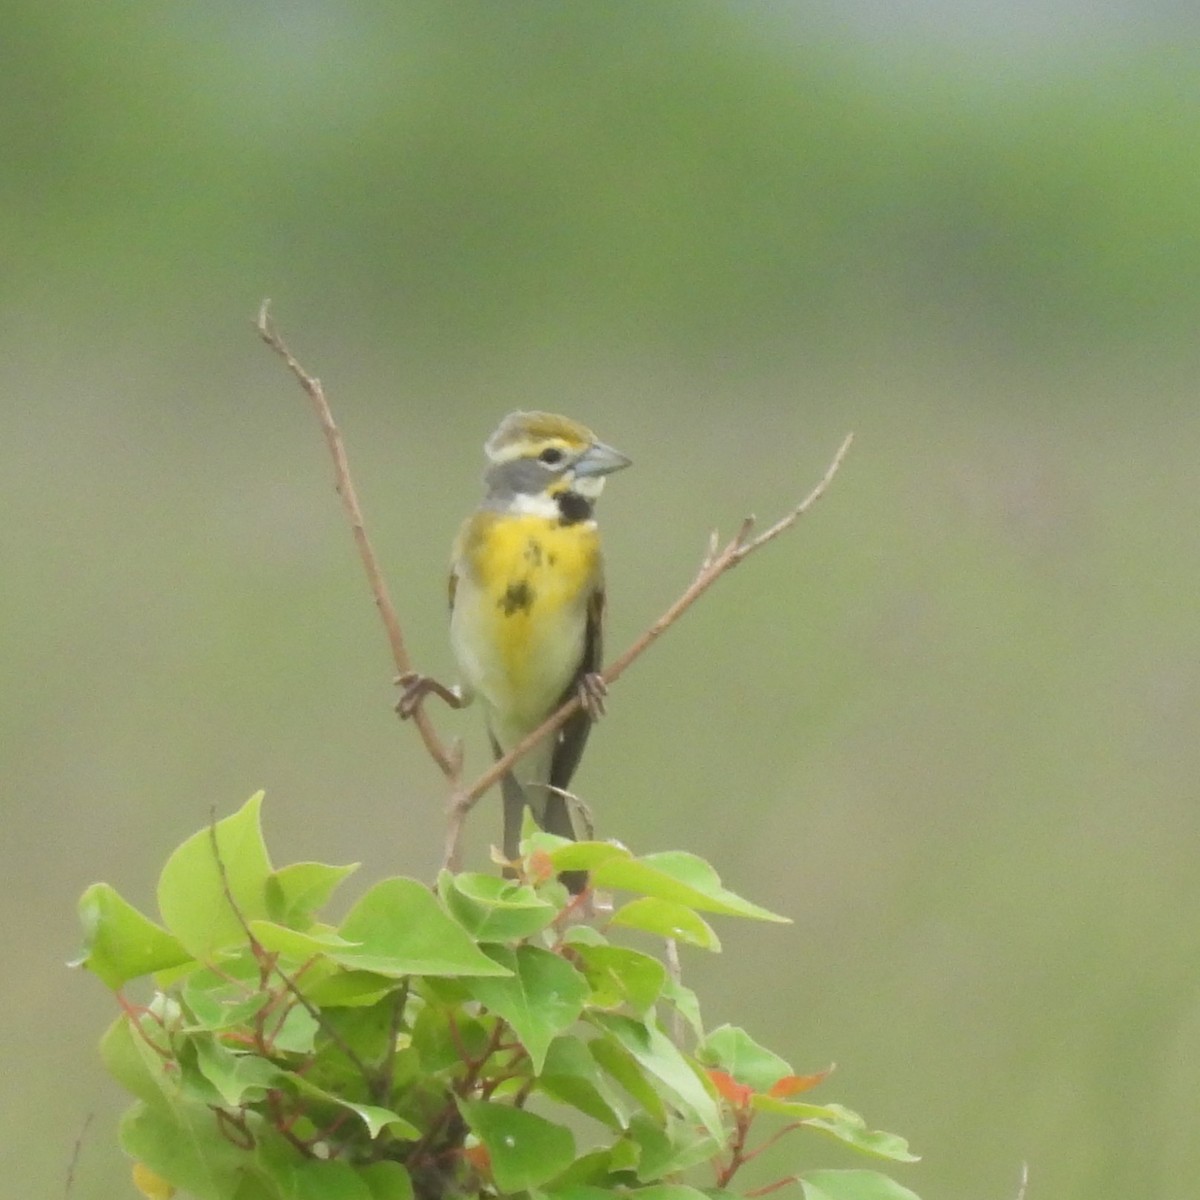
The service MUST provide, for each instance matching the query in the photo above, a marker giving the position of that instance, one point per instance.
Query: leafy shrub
(463, 1041)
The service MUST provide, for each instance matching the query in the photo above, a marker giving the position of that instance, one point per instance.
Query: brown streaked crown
(521, 430)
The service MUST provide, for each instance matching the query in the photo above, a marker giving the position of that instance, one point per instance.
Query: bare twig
(76, 1151)
(445, 758)
(714, 565)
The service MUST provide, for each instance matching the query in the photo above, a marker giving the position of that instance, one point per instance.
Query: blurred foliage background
(949, 724)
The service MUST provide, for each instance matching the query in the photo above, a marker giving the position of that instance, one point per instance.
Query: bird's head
(547, 465)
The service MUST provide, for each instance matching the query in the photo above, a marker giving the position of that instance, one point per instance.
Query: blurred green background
(949, 724)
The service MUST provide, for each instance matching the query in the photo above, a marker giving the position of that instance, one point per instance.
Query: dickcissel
(527, 608)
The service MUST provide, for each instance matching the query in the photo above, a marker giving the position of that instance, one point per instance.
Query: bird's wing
(573, 736)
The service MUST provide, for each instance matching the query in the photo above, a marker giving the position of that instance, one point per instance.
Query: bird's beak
(600, 459)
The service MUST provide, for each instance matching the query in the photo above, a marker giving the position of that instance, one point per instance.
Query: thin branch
(76, 1151)
(789, 519)
(714, 565)
(444, 758)
(777, 1136)
(754, 1193)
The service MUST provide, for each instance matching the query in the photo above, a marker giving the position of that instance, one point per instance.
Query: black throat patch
(573, 508)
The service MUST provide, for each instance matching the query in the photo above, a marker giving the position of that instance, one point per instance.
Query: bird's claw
(415, 687)
(592, 693)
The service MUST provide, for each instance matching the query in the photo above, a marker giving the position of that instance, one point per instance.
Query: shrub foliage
(489, 1037)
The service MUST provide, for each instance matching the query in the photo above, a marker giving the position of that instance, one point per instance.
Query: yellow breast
(520, 611)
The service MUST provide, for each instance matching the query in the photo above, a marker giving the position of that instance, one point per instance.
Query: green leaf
(686, 1003)
(579, 1191)
(276, 1162)
(376, 1119)
(850, 1128)
(668, 1191)
(670, 1149)
(576, 856)
(297, 946)
(346, 989)
(618, 976)
(733, 1050)
(584, 935)
(184, 1145)
(525, 1150)
(314, 1179)
(659, 1056)
(853, 1185)
(292, 1177)
(239, 1078)
(667, 919)
(387, 1181)
(541, 997)
(401, 929)
(297, 1033)
(195, 899)
(654, 1146)
(572, 1076)
(440, 1047)
(624, 1154)
(625, 1069)
(168, 977)
(252, 1187)
(373, 1116)
(119, 943)
(368, 1031)
(226, 998)
(134, 1064)
(297, 892)
(796, 1109)
(678, 877)
(493, 909)
(191, 1083)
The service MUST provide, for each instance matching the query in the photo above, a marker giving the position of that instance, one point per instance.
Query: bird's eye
(551, 456)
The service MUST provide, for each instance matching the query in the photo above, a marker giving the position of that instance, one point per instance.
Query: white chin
(589, 485)
(540, 505)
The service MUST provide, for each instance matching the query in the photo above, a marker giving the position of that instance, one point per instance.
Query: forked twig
(715, 564)
(446, 758)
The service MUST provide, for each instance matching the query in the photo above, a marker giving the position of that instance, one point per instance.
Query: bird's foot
(592, 693)
(415, 687)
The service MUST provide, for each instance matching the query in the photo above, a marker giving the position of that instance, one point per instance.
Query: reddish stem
(772, 1187)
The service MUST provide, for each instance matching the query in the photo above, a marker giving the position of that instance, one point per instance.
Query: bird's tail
(549, 810)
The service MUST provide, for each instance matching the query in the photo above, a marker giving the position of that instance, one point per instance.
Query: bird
(527, 602)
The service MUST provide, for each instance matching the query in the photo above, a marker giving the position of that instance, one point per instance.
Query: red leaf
(479, 1158)
(793, 1085)
(728, 1088)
